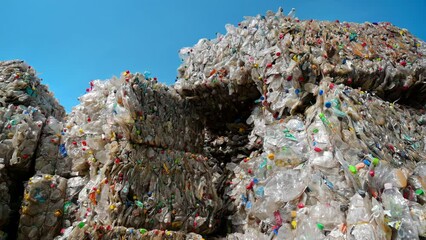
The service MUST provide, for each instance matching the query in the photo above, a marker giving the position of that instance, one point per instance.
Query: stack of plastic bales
(335, 160)
(320, 124)
(136, 148)
(25, 104)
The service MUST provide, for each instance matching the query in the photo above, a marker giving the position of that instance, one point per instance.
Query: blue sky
(73, 42)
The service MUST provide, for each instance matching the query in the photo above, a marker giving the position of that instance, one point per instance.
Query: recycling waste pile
(26, 107)
(278, 129)
(339, 126)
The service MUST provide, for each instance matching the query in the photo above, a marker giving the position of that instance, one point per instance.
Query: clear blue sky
(73, 42)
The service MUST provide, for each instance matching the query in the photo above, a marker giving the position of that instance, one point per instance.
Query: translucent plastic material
(398, 213)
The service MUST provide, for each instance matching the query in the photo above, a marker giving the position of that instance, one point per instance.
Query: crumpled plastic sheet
(133, 144)
(42, 207)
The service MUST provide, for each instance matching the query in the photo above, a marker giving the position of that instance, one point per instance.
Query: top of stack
(19, 85)
(374, 56)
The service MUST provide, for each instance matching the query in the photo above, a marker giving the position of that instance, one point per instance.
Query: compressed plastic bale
(377, 56)
(22, 127)
(363, 179)
(109, 232)
(19, 85)
(136, 142)
(50, 150)
(42, 207)
(25, 104)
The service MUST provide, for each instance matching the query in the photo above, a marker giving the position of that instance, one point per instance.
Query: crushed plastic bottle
(398, 213)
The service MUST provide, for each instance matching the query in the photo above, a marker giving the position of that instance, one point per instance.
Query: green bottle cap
(143, 230)
(139, 203)
(352, 168)
(81, 224)
(420, 191)
(320, 226)
(375, 161)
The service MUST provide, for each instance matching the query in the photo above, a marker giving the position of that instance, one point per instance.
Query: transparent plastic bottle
(400, 217)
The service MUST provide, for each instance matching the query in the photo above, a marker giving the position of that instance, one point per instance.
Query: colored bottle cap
(321, 92)
(294, 224)
(315, 130)
(139, 204)
(352, 169)
(271, 156)
(81, 224)
(420, 191)
(372, 173)
(58, 213)
(320, 226)
(359, 166)
(366, 162)
(375, 161)
(143, 230)
(327, 104)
